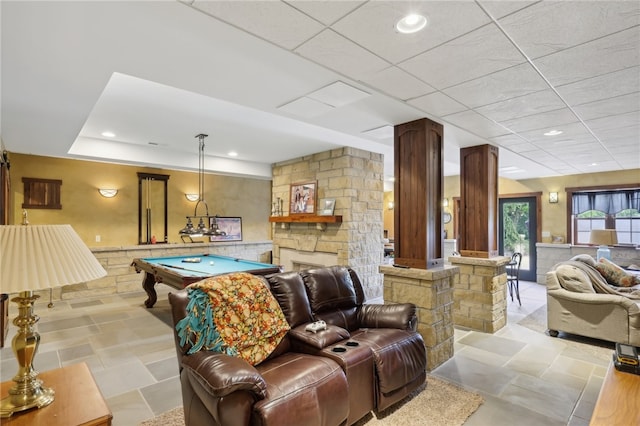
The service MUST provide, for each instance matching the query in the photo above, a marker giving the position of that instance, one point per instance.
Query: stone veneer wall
(550, 254)
(355, 179)
(122, 278)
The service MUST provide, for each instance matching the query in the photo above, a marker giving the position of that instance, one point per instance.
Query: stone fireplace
(297, 260)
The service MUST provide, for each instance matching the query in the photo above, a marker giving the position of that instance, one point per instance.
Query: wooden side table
(619, 400)
(78, 400)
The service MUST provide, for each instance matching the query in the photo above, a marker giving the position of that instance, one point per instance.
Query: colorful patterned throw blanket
(234, 314)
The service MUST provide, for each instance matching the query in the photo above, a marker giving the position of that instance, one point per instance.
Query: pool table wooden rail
(180, 277)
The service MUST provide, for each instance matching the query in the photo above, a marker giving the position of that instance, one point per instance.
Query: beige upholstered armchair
(580, 301)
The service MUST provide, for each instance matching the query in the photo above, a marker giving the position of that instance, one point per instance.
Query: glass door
(517, 225)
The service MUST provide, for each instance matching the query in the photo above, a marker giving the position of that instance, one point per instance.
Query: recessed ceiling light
(232, 154)
(411, 23)
(108, 134)
(553, 133)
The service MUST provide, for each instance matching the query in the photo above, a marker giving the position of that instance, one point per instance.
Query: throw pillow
(574, 279)
(614, 274)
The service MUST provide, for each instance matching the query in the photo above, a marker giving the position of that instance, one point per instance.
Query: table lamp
(604, 238)
(37, 257)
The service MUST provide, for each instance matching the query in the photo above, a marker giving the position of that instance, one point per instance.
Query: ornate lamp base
(19, 401)
(27, 392)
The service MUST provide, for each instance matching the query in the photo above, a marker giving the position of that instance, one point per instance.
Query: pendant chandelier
(207, 225)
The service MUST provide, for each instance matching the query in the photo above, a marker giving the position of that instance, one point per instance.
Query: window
(605, 209)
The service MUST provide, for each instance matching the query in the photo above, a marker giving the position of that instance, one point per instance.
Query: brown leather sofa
(368, 358)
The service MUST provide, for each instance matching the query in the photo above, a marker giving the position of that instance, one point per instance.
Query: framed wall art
(326, 206)
(302, 198)
(232, 227)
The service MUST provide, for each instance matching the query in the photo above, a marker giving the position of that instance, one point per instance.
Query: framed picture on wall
(326, 206)
(302, 198)
(232, 227)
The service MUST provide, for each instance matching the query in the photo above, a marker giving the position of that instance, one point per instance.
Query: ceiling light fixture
(232, 154)
(411, 23)
(202, 228)
(108, 134)
(553, 133)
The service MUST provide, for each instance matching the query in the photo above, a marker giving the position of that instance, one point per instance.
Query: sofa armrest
(319, 340)
(595, 299)
(397, 315)
(221, 375)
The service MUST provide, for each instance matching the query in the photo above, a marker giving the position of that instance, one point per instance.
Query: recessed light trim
(108, 134)
(411, 24)
(553, 133)
(232, 154)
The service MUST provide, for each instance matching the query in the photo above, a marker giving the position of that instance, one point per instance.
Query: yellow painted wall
(553, 215)
(116, 219)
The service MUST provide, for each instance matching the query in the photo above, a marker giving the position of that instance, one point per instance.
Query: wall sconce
(391, 205)
(553, 197)
(192, 197)
(107, 192)
(445, 202)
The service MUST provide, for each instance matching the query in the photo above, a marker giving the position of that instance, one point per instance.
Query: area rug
(439, 403)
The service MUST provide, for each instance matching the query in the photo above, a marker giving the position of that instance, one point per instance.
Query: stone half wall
(122, 278)
(354, 178)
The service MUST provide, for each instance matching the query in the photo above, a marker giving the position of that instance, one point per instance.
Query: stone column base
(431, 290)
(480, 293)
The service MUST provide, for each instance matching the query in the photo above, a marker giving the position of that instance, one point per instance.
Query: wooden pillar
(479, 201)
(418, 227)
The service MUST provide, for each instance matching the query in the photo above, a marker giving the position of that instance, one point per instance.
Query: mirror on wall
(152, 208)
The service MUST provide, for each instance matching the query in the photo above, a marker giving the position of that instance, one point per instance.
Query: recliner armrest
(397, 315)
(320, 339)
(221, 375)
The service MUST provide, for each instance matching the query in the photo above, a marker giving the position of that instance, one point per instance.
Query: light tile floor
(525, 376)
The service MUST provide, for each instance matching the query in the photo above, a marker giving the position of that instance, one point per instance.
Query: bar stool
(513, 273)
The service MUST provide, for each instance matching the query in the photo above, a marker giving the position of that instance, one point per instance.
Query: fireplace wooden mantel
(320, 221)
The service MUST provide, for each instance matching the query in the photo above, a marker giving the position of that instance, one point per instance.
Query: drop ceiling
(275, 80)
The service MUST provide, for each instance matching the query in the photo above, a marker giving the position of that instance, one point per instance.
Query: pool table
(180, 271)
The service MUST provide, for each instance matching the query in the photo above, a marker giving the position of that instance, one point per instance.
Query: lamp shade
(37, 257)
(603, 237)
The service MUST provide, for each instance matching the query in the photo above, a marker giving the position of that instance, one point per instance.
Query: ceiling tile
(607, 107)
(552, 26)
(473, 55)
(498, 86)
(373, 26)
(544, 121)
(618, 122)
(336, 52)
(325, 11)
(338, 94)
(475, 123)
(272, 20)
(601, 87)
(523, 106)
(601, 56)
(571, 132)
(398, 83)
(437, 103)
(500, 8)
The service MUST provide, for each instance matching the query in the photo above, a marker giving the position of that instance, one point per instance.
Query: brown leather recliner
(288, 388)
(368, 358)
(388, 332)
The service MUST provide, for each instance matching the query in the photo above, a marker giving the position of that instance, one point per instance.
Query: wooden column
(479, 201)
(418, 227)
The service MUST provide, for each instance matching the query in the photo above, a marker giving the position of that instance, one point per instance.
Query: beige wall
(553, 215)
(116, 219)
